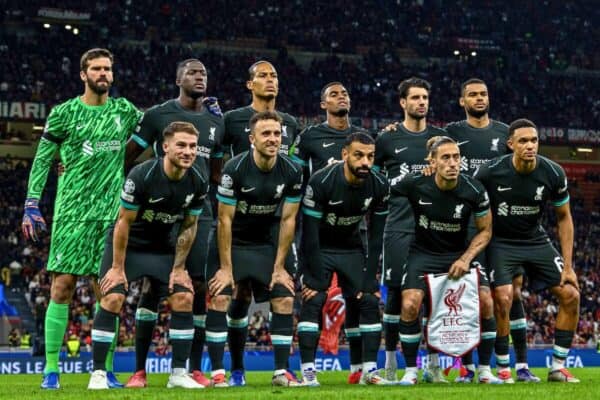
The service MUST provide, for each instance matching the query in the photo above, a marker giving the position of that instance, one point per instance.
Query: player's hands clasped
(180, 276)
(282, 278)
(220, 281)
(113, 278)
(458, 269)
(33, 222)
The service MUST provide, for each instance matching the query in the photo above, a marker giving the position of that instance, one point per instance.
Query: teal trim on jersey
(298, 160)
(225, 200)
(376, 168)
(293, 199)
(195, 212)
(482, 213)
(312, 213)
(561, 202)
(217, 155)
(382, 212)
(129, 206)
(140, 141)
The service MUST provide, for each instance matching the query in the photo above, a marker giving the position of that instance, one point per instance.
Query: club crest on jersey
(129, 186)
(279, 191)
(452, 299)
(367, 203)
(211, 136)
(458, 211)
(188, 200)
(495, 144)
(538, 193)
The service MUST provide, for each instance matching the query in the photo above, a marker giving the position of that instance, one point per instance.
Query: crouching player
(153, 196)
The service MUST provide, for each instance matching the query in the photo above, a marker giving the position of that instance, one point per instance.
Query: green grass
(333, 386)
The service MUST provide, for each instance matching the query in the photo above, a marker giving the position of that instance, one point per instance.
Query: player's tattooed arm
(185, 238)
(565, 236)
(480, 240)
(286, 236)
(224, 275)
(116, 274)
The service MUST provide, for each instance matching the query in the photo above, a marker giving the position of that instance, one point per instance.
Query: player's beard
(99, 90)
(342, 112)
(416, 116)
(477, 113)
(359, 172)
(195, 94)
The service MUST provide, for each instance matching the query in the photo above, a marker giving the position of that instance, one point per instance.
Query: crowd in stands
(529, 72)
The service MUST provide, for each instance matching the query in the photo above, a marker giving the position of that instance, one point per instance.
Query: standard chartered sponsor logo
(503, 209)
(89, 149)
(151, 216)
(464, 164)
(444, 226)
(333, 219)
(246, 208)
(423, 221)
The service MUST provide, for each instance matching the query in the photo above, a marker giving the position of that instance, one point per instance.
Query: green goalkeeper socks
(55, 325)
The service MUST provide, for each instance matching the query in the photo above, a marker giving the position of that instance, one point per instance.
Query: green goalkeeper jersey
(91, 142)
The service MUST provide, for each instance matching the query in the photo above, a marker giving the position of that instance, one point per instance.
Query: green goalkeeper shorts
(76, 247)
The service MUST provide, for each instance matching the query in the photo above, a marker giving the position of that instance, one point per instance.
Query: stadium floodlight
(456, 52)
(473, 53)
(75, 31)
(47, 26)
(68, 27)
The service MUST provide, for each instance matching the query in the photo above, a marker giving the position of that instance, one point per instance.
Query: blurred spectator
(14, 338)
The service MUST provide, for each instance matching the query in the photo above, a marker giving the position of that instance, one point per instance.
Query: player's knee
(181, 301)
(569, 298)
(282, 305)
(411, 303)
(219, 303)
(503, 297)
(113, 302)
(62, 288)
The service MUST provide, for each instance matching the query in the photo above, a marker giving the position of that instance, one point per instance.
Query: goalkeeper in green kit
(90, 132)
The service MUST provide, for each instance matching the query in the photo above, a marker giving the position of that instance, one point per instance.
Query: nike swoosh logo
(151, 200)
(461, 143)
(503, 189)
(328, 144)
(424, 203)
(333, 203)
(246, 129)
(246, 190)
(400, 150)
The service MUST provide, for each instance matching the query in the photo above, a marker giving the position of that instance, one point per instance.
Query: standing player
(90, 132)
(480, 139)
(191, 106)
(253, 185)
(320, 145)
(442, 206)
(317, 147)
(520, 185)
(263, 83)
(155, 194)
(336, 200)
(399, 151)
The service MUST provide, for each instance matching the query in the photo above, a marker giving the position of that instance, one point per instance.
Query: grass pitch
(333, 386)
